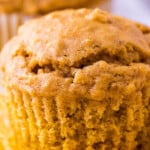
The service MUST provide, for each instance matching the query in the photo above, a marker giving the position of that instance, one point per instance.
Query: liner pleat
(41, 123)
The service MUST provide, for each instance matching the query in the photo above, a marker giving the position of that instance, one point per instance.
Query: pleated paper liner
(4, 123)
(9, 24)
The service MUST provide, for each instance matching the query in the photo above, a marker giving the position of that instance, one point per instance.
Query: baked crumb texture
(78, 80)
(39, 6)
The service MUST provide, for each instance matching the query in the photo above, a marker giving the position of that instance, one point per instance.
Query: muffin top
(72, 50)
(38, 6)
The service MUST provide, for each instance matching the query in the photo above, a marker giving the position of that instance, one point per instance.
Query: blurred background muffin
(39, 6)
(9, 24)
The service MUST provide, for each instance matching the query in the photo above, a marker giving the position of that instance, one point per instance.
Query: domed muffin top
(49, 53)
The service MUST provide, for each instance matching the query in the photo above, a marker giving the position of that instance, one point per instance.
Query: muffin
(39, 6)
(78, 80)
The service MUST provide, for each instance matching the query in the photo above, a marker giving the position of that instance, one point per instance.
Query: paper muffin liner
(73, 124)
(32, 122)
(4, 124)
(9, 24)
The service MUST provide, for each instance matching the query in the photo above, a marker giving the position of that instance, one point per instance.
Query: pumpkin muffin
(78, 80)
(39, 6)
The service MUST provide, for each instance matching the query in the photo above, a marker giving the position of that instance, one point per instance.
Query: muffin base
(77, 124)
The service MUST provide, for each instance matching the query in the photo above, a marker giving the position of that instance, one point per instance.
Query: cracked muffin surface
(78, 79)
